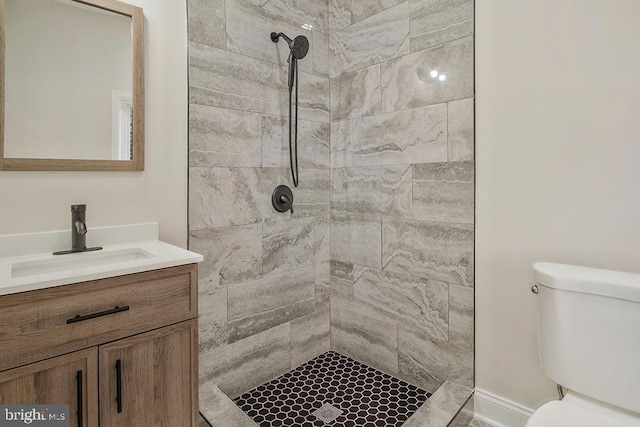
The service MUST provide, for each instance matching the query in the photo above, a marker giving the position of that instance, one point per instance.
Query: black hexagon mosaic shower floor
(363, 395)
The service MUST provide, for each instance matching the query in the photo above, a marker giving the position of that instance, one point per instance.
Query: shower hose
(293, 142)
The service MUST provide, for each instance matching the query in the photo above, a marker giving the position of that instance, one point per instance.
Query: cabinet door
(71, 379)
(151, 379)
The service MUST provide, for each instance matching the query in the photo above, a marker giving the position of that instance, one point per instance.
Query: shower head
(299, 46)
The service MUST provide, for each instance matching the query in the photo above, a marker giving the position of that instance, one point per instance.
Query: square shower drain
(327, 413)
(302, 397)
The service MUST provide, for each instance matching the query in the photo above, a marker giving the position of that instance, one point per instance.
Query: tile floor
(358, 395)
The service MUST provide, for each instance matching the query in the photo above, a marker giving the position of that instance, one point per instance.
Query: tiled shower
(376, 261)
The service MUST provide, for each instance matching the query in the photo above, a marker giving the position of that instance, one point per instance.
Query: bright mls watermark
(35, 415)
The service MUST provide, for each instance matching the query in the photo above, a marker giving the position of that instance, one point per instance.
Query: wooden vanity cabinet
(71, 379)
(133, 367)
(153, 371)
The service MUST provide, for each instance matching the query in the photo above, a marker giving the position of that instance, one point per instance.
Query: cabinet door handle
(119, 385)
(79, 396)
(114, 310)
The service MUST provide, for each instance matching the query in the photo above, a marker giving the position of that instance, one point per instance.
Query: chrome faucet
(78, 231)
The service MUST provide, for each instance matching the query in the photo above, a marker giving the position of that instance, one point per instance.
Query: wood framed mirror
(71, 85)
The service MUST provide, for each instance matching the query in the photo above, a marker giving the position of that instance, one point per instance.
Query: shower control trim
(282, 199)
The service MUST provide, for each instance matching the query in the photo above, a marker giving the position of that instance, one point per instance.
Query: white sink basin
(76, 261)
(27, 262)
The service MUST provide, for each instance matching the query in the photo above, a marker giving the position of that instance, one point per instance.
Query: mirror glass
(68, 81)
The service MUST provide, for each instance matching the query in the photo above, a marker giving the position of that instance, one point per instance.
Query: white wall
(39, 201)
(558, 165)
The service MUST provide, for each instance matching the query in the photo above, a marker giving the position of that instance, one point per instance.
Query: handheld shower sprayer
(298, 49)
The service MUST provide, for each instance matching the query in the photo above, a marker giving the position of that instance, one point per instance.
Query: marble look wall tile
(342, 144)
(461, 129)
(207, 22)
(231, 254)
(361, 9)
(407, 81)
(313, 143)
(441, 407)
(342, 270)
(322, 267)
(341, 293)
(222, 197)
(313, 98)
(438, 21)
(212, 317)
(309, 12)
(444, 191)
(292, 244)
(433, 250)
(342, 285)
(417, 304)
(370, 41)
(417, 135)
(245, 364)
(226, 79)
(220, 410)
(249, 27)
(339, 15)
(365, 339)
(323, 291)
(372, 191)
(312, 196)
(356, 94)
(269, 301)
(320, 53)
(310, 336)
(428, 362)
(461, 315)
(223, 137)
(356, 240)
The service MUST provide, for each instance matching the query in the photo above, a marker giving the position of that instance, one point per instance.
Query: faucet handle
(81, 227)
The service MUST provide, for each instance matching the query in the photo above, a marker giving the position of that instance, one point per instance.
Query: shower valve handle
(285, 201)
(282, 199)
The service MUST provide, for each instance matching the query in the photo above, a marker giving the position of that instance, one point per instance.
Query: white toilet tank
(589, 331)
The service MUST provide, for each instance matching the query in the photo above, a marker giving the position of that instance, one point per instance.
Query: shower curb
(218, 410)
(440, 409)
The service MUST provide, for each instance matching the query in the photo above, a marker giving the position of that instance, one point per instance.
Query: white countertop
(85, 266)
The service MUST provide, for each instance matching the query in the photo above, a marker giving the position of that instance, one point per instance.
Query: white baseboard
(498, 411)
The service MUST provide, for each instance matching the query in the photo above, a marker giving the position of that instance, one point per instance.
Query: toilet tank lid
(614, 284)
